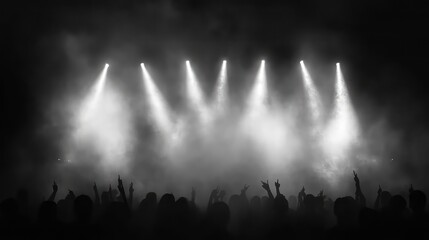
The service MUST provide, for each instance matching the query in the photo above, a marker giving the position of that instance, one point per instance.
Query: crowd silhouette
(115, 215)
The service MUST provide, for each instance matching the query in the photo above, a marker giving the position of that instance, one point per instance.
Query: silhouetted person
(48, 226)
(419, 222)
(346, 210)
(217, 219)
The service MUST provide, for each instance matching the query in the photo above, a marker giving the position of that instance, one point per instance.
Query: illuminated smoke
(342, 131)
(103, 133)
(159, 109)
(258, 96)
(313, 99)
(221, 90)
(95, 96)
(195, 94)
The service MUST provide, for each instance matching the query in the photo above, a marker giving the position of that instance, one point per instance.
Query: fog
(233, 149)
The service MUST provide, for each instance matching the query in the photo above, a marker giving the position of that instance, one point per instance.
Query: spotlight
(221, 89)
(157, 103)
(258, 95)
(343, 130)
(95, 95)
(195, 93)
(313, 98)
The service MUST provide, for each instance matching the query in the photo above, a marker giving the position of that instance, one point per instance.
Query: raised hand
(55, 187)
(214, 194)
(302, 191)
(379, 190)
(356, 177)
(243, 191)
(222, 194)
(411, 189)
(54, 192)
(131, 189)
(277, 184)
(120, 185)
(320, 194)
(70, 195)
(95, 187)
(265, 185)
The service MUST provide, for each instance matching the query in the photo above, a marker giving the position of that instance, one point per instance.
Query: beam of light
(195, 94)
(258, 96)
(221, 89)
(159, 108)
(313, 98)
(343, 130)
(104, 128)
(95, 94)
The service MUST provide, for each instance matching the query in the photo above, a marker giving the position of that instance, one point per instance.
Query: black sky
(383, 44)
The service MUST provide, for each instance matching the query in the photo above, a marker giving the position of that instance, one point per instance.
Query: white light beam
(159, 108)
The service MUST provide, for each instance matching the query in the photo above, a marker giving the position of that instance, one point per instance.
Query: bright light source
(258, 95)
(159, 108)
(95, 94)
(313, 98)
(221, 89)
(343, 129)
(195, 94)
(103, 127)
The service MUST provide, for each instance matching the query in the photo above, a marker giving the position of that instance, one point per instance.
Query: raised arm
(301, 196)
(277, 184)
(377, 200)
(131, 193)
(97, 196)
(359, 197)
(222, 194)
(244, 190)
(213, 197)
(122, 191)
(54, 192)
(266, 186)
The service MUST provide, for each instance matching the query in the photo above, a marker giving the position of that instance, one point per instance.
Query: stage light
(103, 127)
(195, 94)
(343, 129)
(258, 95)
(158, 106)
(221, 89)
(95, 95)
(313, 99)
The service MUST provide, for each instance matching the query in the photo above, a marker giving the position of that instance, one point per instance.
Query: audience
(305, 216)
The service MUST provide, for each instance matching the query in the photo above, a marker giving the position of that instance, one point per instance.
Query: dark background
(383, 46)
